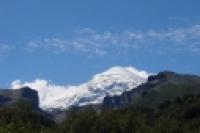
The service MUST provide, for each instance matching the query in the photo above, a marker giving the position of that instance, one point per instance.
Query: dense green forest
(179, 116)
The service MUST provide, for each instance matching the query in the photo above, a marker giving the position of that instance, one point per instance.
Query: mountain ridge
(164, 86)
(118, 87)
(113, 81)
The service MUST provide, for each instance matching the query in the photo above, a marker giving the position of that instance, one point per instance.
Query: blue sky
(68, 41)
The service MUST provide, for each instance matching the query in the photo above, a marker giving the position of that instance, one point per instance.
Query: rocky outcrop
(9, 97)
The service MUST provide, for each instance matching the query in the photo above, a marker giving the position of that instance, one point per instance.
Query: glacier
(113, 81)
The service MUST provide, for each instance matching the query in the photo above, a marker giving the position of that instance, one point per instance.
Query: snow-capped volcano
(114, 81)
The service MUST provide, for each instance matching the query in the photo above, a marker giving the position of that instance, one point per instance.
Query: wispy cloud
(5, 49)
(92, 42)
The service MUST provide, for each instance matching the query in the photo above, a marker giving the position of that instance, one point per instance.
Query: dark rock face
(9, 97)
(161, 87)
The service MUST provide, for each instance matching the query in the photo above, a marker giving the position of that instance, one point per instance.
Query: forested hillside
(182, 115)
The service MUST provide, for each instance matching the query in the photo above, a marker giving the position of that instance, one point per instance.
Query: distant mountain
(117, 100)
(176, 98)
(9, 97)
(112, 82)
(116, 87)
(165, 86)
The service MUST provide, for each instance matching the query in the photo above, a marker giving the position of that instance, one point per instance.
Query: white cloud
(91, 42)
(6, 47)
(47, 91)
(141, 73)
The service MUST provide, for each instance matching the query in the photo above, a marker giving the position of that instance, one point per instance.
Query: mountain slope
(165, 86)
(111, 82)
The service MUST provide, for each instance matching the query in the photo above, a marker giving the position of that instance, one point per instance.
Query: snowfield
(114, 81)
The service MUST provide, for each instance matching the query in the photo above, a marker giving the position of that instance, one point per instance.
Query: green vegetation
(179, 116)
(182, 115)
(22, 119)
(164, 92)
